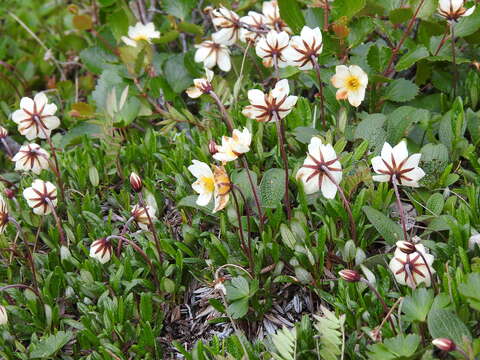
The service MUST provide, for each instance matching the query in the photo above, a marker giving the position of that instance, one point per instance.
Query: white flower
(254, 26)
(395, 163)
(321, 161)
(101, 250)
(304, 49)
(272, 48)
(229, 24)
(141, 216)
(3, 132)
(411, 269)
(264, 106)
(210, 184)
(233, 147)
(271, 11)
(212, 53)
(3, 215)
(41, 196)
(35, 117)
(201, 86)
(474, 240)
(31, 157)
(3, 315)
(351, 83)
(452, 10)
(140, 32)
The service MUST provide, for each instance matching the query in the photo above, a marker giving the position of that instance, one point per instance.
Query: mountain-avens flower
(201, 86)
(304, 49)
(212, 53)
(395, 163)
(35, 118)
(101, 250)
(254, 27)
(140, 32)
(41, 196)
(272, 48)
(411, 269)
(31, 157)
(453, 10)
(228, 23)
(233, 147)
(351, 83)
(321, 160)
(141, 217)
(271, 11)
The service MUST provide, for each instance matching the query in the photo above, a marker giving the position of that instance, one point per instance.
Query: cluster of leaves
(124, 109)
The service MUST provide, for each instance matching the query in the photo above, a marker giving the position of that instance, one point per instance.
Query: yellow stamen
(352, 83)
(207, 183)
(140, 37)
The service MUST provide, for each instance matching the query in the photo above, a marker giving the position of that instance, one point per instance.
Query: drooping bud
(101, 250)
(3, 315)
(444, 344)
(406, 247)
(212, 147)
(136, 182)
(3, 132)
(9, 193)
(349, 275)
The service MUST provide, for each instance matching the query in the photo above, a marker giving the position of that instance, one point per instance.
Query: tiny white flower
(3, 215)
(141, 217)
(254, 27)
(271, 11)
(474, 240)
(351, 83)
(140, 32)
(212, 53)
(453, 10)
(229, 24)
(272, 48)
(201, 86)
(321, 160)
(35, 118)
(101, 250)
(3, 315)
(264, 106)
(41, 196)
(31, 157)
(233, 147)
(411, 269)
(304, 49)
(395, 163)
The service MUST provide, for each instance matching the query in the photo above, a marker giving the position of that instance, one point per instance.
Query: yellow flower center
(352, 83)
(208, 184)
(140, 37)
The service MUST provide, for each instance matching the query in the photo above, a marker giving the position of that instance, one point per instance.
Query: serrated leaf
(416, 306)
(290, 12)
(347, 8)
(378, 57)
(469, 24)
(435, 204)
(410, 58)
(272, 188)
(390, 230)
(401, 90)
(48, 346)
(371, 129)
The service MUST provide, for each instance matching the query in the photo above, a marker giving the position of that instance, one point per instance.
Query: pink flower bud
(9, 193)
(136, 182)
(406, 247)
(349, 275)
(212, 147)
(444, 344)
(3, 132)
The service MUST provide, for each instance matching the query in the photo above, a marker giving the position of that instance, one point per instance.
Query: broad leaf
(390, 230)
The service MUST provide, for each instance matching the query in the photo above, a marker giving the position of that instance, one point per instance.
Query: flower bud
(9, 193)
(136, 182)
(444, 344)
(101, 250)
(3, 132)
(3, 315)
(349, 275)
(406, 247)
(212, 147)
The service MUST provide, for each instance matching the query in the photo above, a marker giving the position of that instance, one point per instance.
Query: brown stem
(255, 193)
(152, 227)
(226, 118)
(124, 230)
(454, 60)
(249, 244)
(400, 208)
(282, 145)
(326, 11)
(57, 171)
(320, 88)
(379, 297)
(141, 252)
(244, 245)
(5, 145)
(275, 64)
(346, 204)
(57, 221)
(429, 271)
(443, 41)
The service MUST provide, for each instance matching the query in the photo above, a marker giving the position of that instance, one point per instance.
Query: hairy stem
(326, 11)
(320, 89)
(380, 298)
(443, 41)
(255, 193)
(244, 245)
(400, 208)
(57, 221)
(151, 226)
(57, 171)
(249, 244)
(122, 233)
(282, 145)
(226, 118)
(7, 148)
(454, 60)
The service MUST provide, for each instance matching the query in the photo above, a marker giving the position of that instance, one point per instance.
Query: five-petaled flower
(140, 32)
(233, 147)
(414, 268)
(101, 250)
(41, 196)
(304, 49)
(351, 83)
(272, 49)
(395, 164)
(453, 10)
(271, 11)
(3, 214)
(31, 157)
(141, 216)
(264, 107)
(201, 86)
(212, 53)
(35, 118)
(254, 27)
(320, 169)
(229, 24)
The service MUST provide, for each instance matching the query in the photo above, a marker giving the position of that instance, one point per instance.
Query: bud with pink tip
(349, 275)
(9, 193)
(3, 132)
(136, 182)
(444, 344)
(101, 250)
(212, 147)
(406, 247)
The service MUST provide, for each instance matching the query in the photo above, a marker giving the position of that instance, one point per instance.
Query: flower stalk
(320, 87)
(244, 245)
(400, 208)
(58, 221)
(454, 60)
(151, 226)
(255, 194)
(282, 145)
(226, 118)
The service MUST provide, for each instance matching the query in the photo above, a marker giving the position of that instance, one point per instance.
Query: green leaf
(304, 134)
(416, 306)
(73, 135)
(287, 236)
(410, 58)
(401, 120)
(400, 16)
(240, 178)
(272, 187)
(237, 288)
(48, 346)
(371, 129)
(378, 57)
(435, 203)
(390, 230)
(469, 24)
(471, 290)
(290, 12)
(359, 29)
(178, 8)
(96, 59)
(347, 8)
(285, 340)
(177, 74)
(238, 309)
(445, 324)
(401, 90)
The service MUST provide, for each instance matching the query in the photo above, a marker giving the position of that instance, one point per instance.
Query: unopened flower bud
(136, 182)
(3, 132)
(444, 344)
(101, 250)
(406, 247)
(349, 275)
(9, 193)
(212, 147)
(3, 315)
